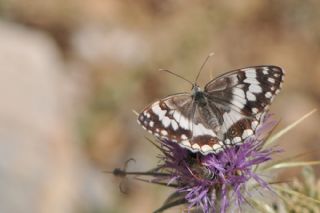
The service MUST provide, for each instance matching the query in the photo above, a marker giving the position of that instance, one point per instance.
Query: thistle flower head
(212, 181)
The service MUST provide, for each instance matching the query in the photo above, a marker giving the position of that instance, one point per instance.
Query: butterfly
(225, 113)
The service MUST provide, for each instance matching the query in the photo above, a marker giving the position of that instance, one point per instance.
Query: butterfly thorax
(198, 95)
(209, 113)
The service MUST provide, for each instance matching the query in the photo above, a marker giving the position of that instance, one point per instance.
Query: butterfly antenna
(203, 64)
(135, 112)
(179, 76)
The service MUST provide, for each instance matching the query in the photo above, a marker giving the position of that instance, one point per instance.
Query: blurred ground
(72, 71)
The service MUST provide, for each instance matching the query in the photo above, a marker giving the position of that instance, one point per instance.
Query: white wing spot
(176, 115)
(174, 125)
(186, 143)
(227, 141)
(196, 146)
(164, 132)
(250, 96)
(236, 140)
(183, 122)
(240, 86)
(251, 81)
(206, 148)
(254, 124)
(250, 72)
(254, 110)
(183, 137)
(238, 92)
(246, 133)
(271, 80)
(165, 121)
(199, 129)
(239, 99)
(255, 88)
(216, 146)
(258, 116)
(151, 123)
(230, 118)
(158, 111)
(219, 150)
(237, 103)
(268, 95)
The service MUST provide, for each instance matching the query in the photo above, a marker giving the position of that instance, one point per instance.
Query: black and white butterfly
(225, 113)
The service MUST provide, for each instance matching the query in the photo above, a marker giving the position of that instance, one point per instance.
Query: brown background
(72, 72)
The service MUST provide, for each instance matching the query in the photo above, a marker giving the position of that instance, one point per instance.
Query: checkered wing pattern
(243, 97)
(226, 113)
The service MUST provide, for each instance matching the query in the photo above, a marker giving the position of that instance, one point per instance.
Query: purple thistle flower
(221, 182)
(210, 182)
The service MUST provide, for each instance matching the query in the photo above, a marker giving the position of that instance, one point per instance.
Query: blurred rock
(40, 170)
(35, 155)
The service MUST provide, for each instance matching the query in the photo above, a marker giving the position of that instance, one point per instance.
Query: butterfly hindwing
(168, 118)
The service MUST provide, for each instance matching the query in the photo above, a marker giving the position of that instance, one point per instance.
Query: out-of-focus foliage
(300, 195)
(72, 71)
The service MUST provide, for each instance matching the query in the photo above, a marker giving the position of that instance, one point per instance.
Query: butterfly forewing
(248, 90)
(245, 94)
(229, 110)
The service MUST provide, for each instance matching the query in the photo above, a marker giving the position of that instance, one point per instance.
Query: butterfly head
(195, 88)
